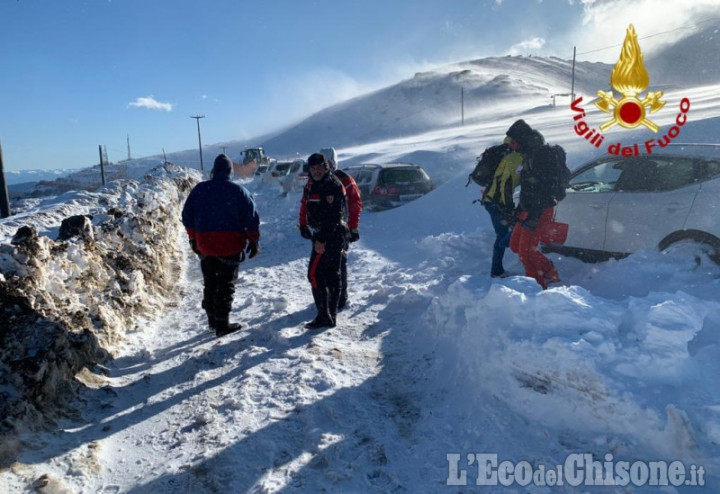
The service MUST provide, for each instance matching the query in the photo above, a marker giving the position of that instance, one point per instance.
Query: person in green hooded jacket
(498, 196)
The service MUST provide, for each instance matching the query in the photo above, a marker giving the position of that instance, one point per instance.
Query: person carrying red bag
(536, 206)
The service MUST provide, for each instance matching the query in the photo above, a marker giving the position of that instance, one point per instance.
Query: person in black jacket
(536, 208)
(354, 208)
(322, 209)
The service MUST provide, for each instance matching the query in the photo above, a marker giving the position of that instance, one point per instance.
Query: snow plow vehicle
(252, 159)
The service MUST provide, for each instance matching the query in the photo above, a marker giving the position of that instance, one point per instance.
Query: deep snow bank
(67, 304)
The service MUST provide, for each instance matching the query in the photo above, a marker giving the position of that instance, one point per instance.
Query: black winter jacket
(537, 181)
(324, 205)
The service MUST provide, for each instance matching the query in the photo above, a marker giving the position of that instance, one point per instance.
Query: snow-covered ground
(431, 363)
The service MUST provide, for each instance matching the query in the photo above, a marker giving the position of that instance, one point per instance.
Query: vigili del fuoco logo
(630, 78)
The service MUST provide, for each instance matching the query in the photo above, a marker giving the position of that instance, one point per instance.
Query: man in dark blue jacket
(221, 219)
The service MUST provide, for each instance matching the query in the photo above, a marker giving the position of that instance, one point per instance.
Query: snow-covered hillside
(434, 362)
(492, 89)
(693, 61)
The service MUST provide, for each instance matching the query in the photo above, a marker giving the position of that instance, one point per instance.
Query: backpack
(549, 162)
(487, 163)
(563, 174)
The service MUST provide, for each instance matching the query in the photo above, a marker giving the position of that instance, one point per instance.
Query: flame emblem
(630, 78)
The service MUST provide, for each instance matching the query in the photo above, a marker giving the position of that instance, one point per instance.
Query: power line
(653, 35)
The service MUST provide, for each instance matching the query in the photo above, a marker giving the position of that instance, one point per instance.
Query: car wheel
(698, 248)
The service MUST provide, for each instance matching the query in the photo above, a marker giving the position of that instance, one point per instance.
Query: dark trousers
(325, 280)
(343, 274)
(219, 274)
(502, 236)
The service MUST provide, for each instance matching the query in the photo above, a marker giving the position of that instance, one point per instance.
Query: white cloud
(151, 103)
(526, 46)
(306, 93)
(658, 23)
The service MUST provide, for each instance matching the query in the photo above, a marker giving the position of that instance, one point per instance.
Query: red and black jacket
(354, 201)
(322, 208)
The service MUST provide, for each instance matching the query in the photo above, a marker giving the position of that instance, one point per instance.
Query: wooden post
(4, 196)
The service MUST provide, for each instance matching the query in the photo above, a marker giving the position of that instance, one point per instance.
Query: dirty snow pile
(68, 304)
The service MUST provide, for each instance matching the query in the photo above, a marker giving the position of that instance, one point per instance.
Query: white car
(618, 205)
(291, 175)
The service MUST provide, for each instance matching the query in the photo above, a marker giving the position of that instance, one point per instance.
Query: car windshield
(402, 175)
(599, 178)
(252, 154)
(282, 168)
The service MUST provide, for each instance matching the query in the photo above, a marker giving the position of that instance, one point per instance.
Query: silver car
(389, 185)
(617, 205)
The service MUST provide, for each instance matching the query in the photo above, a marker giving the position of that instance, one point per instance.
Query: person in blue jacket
(222, 223)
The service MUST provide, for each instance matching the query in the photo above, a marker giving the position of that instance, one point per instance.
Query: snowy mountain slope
(692, 61)
(433, 99)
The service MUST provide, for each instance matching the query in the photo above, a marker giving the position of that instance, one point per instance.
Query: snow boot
(211, 320)
(343, 300)
(320, 322)
(333, 304)
(223, 326)
(323, 318)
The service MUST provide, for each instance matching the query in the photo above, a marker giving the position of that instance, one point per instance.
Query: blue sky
(81, 73)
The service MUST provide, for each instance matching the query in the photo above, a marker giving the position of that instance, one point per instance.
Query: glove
(530, 223)
(509, 217)
(193, 246)
(354, 235)
(252, 249)
(305, 232)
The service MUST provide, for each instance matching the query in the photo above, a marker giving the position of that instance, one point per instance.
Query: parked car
(289, 174)
(261, 170)
(300, 174)
(617, 205)
(389, 185)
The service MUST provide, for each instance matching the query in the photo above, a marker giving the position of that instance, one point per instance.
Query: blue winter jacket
(220, 216)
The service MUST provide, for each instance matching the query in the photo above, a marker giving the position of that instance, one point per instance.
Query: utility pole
(4, 196)
(102, 166)
(197, 118)
(572, 88)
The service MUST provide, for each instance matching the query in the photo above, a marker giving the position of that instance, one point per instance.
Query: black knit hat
(520, 132)
(223, 164)
(318, 159)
